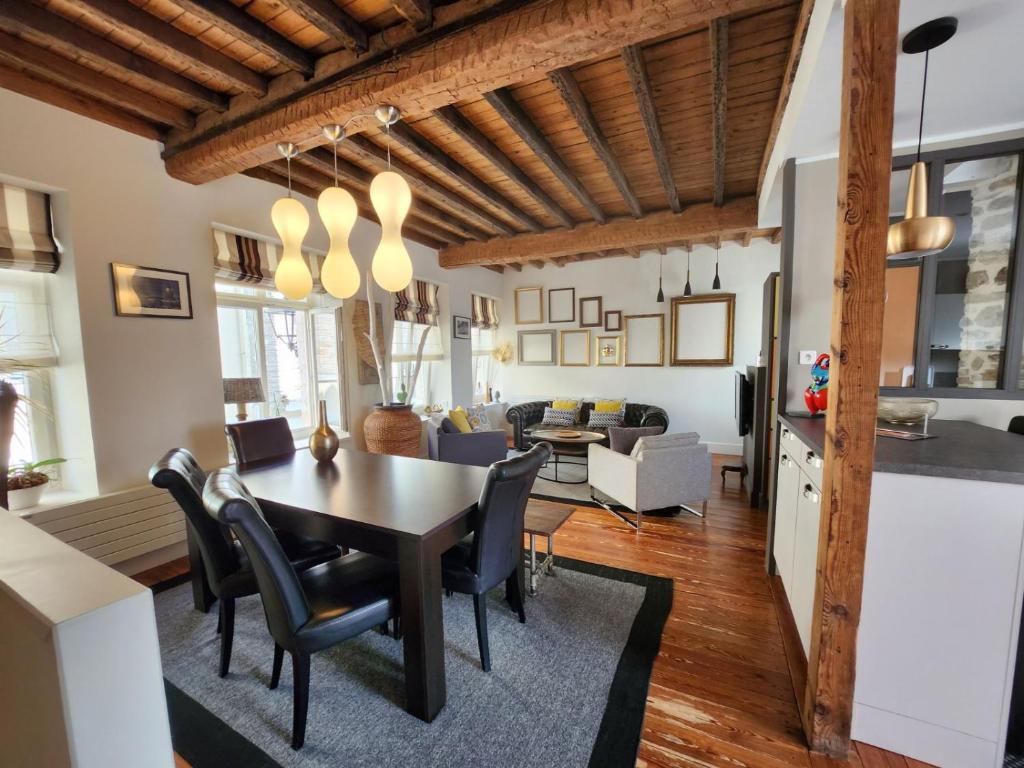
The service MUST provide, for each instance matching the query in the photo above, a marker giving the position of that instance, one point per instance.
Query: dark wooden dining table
(407, 510)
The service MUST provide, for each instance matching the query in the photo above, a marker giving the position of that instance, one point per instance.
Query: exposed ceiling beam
(539, 264)
(745, 239)
(473, 136)
(174, 42)
(633, 251)
(46, 90)
(516, 118)
(459, 174)
(419, 13)
(370, 153)
(43, 27)
(229, 18)
(506, 47)
(636, 70)
(719, 37)
(495, 268)
(574, 99)
(696, 221)
(516, 267)
(776, 236)
(331, 20)
(662, 249)
(43, 62)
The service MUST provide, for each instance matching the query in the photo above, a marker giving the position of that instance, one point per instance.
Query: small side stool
(543, 519)
(741, 469)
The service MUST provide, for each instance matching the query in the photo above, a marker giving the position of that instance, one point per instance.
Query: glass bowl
(906, 410)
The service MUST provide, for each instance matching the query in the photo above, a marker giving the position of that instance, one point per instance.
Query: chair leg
(220, 621)
(227, 619)
(300, 671)
(480, 608)
(515, 592)
(275, 675)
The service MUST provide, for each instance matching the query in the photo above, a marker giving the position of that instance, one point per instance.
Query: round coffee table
(564, 443)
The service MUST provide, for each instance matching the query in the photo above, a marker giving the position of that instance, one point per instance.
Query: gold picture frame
(712, 316)
(527, 313)
(577, 352)
(609, 351)
(644, 340)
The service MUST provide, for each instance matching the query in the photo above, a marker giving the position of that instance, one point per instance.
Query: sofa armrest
(480, 449)
(523, 415)
(612, 473)
(655, 417)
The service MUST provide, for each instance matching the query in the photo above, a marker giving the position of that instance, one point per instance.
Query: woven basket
(393, 429)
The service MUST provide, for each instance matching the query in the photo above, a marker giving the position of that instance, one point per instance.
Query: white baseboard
(728, 449)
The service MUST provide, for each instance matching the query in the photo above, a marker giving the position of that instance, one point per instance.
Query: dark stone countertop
(960, 449)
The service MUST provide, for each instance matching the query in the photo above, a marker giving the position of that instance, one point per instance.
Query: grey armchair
(480, 449)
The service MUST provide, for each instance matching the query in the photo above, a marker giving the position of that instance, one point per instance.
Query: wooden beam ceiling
(696, 221)
(541, 36)
(329, 18)
(719, 38)
(579, 108)
(419, 13)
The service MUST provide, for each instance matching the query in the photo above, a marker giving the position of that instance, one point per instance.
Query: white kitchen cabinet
(788, 485)
(805, 559)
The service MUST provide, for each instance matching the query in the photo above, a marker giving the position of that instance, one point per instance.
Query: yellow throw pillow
(608, 406)
(565, 405)
(460, 420)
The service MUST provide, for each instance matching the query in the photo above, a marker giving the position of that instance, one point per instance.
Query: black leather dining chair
(260, 440)
(305, 612)
(1016, 425)
(494, 551)
(228, 570)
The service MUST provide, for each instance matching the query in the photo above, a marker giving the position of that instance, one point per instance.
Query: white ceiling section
(975, 85)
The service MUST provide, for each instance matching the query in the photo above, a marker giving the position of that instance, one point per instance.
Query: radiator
(117, 526)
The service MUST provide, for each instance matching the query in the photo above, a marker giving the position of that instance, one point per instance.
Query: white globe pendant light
(391, 199)
(291, 221)
(338, 212)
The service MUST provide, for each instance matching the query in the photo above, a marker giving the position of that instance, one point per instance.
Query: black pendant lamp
(687, 290)
(661, 293)
(717, 284)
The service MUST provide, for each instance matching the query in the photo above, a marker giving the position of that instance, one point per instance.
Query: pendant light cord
(920, 124)
(335, 163)
(387, 129)
(288, 159)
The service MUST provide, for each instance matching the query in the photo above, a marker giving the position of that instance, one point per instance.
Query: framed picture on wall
(613, 320)
(529, 306)
(702, 329)
(591, 312)
(609, 351)
(461, 327)
(562, 305)
(574, 348)
(537, 347)
(644, 340)
(150, 292)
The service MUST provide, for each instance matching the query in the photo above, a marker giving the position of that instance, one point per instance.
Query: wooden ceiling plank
(574, 99)
(370, 153)
(72, 40)
(776, 236)
(516, 118)
(419, 13)
(228, 17)
(173, 41)
(473, 136)
(461, 175)
(331, 20)
(23, 55)
(719, 38)
(697, 221)
(636, 70)
(505, 46)
(52, 93)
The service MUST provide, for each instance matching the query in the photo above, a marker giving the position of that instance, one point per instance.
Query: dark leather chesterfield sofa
(526, 417)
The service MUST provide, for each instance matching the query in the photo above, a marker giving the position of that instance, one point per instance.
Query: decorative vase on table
(324, 441)
(393, 429)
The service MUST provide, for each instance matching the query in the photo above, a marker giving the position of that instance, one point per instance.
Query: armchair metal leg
(607, 507)
(703, 509)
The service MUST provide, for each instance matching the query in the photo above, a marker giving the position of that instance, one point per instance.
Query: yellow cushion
(565, 405)
(460, 420)
(608, 406)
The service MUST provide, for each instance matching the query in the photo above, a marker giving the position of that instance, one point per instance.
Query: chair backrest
(180, 473)
(227, 500)
(498, 542)
(1016, 425)
(260, 440)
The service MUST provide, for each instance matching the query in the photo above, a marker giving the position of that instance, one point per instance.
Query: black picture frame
(462, 327)
(150, 292)
(613, 320)
(562, 317)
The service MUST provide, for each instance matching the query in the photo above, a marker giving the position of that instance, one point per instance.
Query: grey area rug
(567, 688)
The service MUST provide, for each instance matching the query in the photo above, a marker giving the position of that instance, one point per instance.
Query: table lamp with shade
(241, 391)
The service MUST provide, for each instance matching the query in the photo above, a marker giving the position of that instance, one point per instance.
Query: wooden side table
(543, 519)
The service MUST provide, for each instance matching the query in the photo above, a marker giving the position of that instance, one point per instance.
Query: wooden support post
(870, 40)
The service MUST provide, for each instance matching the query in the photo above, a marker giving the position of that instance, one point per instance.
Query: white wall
(697, 399)
(153, 383)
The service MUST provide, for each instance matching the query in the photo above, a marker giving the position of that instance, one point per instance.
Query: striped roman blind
(26, 231)
(248, 260)
(417, 303)
(485, 312)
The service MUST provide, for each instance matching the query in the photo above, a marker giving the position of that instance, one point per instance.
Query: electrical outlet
(808, 356)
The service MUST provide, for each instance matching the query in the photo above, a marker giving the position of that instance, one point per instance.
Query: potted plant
(26, 483)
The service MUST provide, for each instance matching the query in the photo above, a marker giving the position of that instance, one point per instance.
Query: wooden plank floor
(720, 691)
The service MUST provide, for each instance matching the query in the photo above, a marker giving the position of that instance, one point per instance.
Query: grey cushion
(554, 417)
(604, 420)
(448, 426)
(622, 439)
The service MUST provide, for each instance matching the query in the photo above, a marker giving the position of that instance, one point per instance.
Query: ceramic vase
(324, 442)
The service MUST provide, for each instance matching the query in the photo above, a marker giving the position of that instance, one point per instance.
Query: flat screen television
(744, 406)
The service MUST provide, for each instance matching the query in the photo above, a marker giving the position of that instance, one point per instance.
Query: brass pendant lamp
(919, 232)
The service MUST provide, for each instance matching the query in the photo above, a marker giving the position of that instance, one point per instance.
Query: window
(954, 320)
(27, 348)
(405, 343)
(294, 347)
(483, 341)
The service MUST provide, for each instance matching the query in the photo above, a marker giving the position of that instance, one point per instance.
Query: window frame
(1009, 384)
